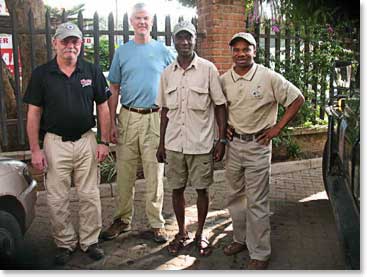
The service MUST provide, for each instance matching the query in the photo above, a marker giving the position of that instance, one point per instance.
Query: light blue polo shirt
(137, 68)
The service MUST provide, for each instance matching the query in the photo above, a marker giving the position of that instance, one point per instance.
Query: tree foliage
(188, 3)
(103, 54)
(57, 13)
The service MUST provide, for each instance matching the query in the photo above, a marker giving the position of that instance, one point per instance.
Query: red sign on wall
(6, 51)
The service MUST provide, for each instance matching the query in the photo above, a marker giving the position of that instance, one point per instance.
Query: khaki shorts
(195, 170)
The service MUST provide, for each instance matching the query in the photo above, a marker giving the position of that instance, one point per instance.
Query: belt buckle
(246, 137)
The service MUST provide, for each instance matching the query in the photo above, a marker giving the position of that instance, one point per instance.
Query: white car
(18, 197)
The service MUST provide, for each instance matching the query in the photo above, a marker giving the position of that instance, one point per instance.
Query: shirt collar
(248, 76)
(54, 67)
(194, 63)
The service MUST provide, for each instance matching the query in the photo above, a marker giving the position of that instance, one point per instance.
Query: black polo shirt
(67, 102)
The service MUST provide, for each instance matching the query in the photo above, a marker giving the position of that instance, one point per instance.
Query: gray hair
(141, 7)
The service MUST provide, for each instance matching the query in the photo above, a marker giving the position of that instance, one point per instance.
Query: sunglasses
(75, 41)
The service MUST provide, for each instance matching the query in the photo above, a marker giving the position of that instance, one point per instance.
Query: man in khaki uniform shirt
(191, 99)
(253, 93)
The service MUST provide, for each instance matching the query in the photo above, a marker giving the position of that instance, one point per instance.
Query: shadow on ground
(303, 237)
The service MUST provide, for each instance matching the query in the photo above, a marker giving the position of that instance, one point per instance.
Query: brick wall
(218, 20)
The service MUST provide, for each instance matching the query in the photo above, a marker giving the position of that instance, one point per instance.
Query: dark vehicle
(341, 158)
(18, 197)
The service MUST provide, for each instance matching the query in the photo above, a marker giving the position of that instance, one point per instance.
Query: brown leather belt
(141, 110)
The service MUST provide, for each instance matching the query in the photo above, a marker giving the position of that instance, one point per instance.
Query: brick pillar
(218, 21)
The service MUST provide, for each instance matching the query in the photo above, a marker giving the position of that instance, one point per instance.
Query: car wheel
(325, 157)
(11, 238)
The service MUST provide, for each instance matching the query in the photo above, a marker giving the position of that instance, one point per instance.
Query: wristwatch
(104, 142)
(224, 141)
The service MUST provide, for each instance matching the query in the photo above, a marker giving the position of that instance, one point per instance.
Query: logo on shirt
(85, 82)
(257, 92)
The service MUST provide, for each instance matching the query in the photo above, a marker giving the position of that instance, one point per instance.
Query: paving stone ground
(303, 232)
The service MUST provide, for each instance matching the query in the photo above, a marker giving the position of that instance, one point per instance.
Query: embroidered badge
(69, 27)
(85, 82)
(257, 93)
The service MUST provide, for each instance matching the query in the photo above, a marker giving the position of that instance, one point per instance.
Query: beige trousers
(248, 178)
(139, 138)
(77, 161)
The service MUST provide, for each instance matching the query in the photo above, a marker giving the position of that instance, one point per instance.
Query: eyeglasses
(75, 41)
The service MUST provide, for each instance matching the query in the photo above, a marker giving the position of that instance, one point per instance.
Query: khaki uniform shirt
(190, 96)
(253, 98)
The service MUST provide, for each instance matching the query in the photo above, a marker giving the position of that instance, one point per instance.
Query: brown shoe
(257, 265)
(234, 248)
(159, 235)
(115, 230)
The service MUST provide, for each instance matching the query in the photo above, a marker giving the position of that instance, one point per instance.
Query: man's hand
(39, 161)
(219, 151)
(289, 114)
(102, 152)
(267, 135)
(113, 134)
(230, 131)
(161, 154)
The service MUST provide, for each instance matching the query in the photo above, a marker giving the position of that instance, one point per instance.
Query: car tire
(11, 239)
(325, 157)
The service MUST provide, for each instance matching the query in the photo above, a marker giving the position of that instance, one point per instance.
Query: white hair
(141, 6)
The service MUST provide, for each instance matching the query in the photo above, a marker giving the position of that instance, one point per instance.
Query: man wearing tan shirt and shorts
(191, 99)
(253, 94)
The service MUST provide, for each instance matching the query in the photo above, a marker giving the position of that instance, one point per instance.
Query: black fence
(275, 49)
(89, 28)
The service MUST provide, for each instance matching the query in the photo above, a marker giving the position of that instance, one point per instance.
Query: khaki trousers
(248, 178)
(77, 160)
(138, 137)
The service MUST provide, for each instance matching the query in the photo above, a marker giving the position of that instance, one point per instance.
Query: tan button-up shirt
(190, 96)
(253, 98)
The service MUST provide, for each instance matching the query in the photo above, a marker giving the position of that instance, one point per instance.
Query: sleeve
(284, 91)
(170, 56)
(101, 88)
(215, 88)
(114, 75)
(160, 100)
(222, 83)
(35, 90)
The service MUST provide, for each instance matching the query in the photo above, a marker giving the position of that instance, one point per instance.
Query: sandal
(234, 248)
(178, 243)
(203, 245)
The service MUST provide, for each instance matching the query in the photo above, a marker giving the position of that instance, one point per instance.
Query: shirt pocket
(198, 99)
(172, 98)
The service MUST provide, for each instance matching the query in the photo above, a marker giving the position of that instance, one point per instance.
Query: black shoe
(63, 256)
(95, 252)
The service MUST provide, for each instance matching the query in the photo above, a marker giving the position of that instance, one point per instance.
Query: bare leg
(202, 205)
(178, 202)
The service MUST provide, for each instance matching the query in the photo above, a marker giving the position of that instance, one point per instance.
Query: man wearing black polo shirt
(60, 95)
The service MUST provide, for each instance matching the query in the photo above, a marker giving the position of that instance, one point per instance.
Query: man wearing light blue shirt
(135, 74)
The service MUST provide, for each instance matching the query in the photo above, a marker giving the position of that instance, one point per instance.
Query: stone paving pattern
(303, 234)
